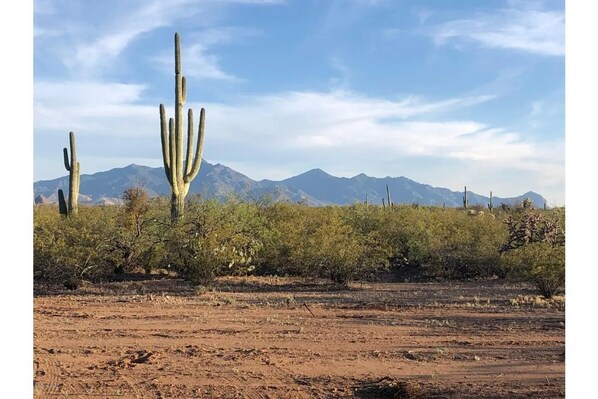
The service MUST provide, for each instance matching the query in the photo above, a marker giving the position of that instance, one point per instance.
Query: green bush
(318, 242)
(535, 249)
(67, 250)
(261, 237)
(137, 241)
(214, 239)
(540, 264)
(432, 242)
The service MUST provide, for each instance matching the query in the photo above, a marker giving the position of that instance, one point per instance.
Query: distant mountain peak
(316, 171)
(314, 187)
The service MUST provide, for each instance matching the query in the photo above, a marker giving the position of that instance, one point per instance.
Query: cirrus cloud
(533, 31)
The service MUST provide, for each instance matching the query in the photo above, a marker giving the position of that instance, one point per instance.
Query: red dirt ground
(258, 338)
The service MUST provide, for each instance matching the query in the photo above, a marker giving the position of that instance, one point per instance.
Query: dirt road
(275, 338)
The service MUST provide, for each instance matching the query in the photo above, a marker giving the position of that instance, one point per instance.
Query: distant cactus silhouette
(179, 173)
(465, 198)
(490, 204)
(73, 168)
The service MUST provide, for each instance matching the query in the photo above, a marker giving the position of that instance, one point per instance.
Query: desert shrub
(535, 249)
(341, 253)
(136, 206)
(466, 246)
(138, 238)
(340, 243)
(364, 219)
(214, 239)
(432, 242)
(68, 250)
(540, 264)
(319, 242)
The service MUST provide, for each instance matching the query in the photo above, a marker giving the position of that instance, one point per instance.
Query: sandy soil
(277, 338)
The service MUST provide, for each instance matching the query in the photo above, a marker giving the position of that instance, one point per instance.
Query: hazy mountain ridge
(314, 187)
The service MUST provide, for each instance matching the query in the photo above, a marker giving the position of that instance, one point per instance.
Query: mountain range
(314, 187)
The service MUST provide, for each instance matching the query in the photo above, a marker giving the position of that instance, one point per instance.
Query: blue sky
(445, 93)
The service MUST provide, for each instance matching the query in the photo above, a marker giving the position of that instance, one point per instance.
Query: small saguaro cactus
(179, 173)
(490, 204)
(465, 198)
(73, 168)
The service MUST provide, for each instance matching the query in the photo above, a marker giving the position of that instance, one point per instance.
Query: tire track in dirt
(138, 390)
(49, 385)
(137, 385)
(55, 383)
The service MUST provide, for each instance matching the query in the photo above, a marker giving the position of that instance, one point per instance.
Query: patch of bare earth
(278, 338)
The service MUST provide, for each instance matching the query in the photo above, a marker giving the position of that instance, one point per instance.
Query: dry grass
(537, 301)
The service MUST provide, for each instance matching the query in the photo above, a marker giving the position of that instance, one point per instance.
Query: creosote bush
(215, 239)
(339, 243)
(435, 242)
(67, 250)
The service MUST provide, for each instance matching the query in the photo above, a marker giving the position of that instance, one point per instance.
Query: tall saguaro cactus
(388, 196)
(465, 198)
(490, 204)
(72, 166)
(179, 173)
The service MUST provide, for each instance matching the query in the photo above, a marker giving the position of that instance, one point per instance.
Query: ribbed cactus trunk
(465, 198)
(388, 199)
(72, 166)
(490, 204)
(179, 173)
(177, 207)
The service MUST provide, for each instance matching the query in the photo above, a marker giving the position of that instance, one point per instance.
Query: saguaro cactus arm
(165, 143)
(189, 141)
(198, 150)
(67, 165)
(62, 208)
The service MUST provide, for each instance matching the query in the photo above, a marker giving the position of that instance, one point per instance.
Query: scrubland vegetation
(265, 238)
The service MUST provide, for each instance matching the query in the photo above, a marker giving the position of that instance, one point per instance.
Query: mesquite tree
(178, 172)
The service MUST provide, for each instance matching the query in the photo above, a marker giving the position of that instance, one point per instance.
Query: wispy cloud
(531, 30)
(342, 81)
(422, 14)
(88, 55)
(117, 33)
(343, 120)
(198, 60)
(347, 133)
(94, 109)
(340, 131)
